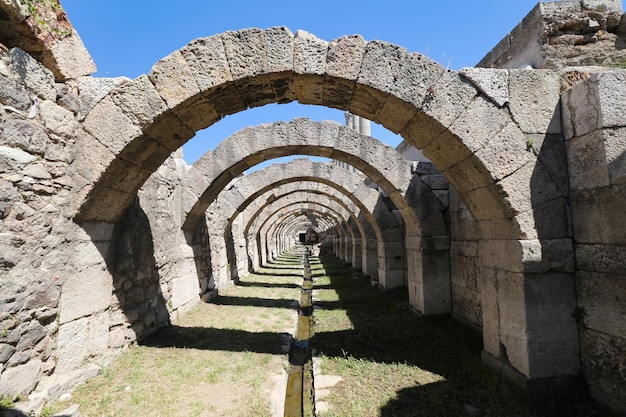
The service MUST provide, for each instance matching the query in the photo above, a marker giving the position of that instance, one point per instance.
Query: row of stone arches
(478, 143)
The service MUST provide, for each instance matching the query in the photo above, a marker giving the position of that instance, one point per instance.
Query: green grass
(218, 360)
(396, 363)
(6, 401)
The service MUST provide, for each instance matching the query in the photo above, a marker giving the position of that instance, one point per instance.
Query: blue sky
(126, 38)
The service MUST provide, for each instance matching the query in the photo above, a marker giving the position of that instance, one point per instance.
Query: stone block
(487, 204)
(280, 51)
(57, 119)
(247, 58)
(206, 59)
(21, 379)
(550, 299)
(445, 101)
(505, 153)
(466, 305)
(547, 220)
(98, 335)
(310, 53)
(69, 58)
(468, 174)
(343, 64)
(174, 80)
(245, 51)
(72, 342)
(446, 151)
(603, 5)
(409, 91)
(139, 100)
(599, 297)
(92, 90)
(603, 361)
(593, 215)
(534, 100)
(615, 149)
(488, 289)
(185, 287)
(88, 289)
(514, 329)
(611, 93)
(493, 83)
(309, 65)
(110, 126)
(14, 94)
(436, 282)
(391, 279)
(480, 122)
(581, 109)
(601, 258)
(32, 74)
(464, 271)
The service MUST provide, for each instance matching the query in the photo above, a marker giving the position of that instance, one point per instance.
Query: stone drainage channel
(299, 398)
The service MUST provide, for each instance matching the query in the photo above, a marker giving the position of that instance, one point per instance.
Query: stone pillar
(357, 254)
(595, 142)
(391, 265)
(528, 297)
(364, 126)
(371, 257)
(428, 267)
(347, 250)
(253, 252)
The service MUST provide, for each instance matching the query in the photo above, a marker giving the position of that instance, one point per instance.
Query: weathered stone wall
(72, 296)
(38, 128)
(595, 130)
(154, 277)
(43, 30)
(556, 35)
(464, 238)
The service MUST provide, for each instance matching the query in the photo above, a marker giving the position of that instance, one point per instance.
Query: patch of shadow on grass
(276, 275)
(218, 339)
(269, 284)
(386, 331)
(227, 300)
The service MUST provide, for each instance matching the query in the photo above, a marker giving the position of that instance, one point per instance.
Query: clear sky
(126, 37)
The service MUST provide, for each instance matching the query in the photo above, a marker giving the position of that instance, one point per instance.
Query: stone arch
(320, 213)
(420, 208)
(367, 199)
(357, 220)
(244, 149)
(330, 201)
(269, 225)
(246, 195)
(479, 145)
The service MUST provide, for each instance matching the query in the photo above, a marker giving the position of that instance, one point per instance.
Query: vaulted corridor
(244, 355)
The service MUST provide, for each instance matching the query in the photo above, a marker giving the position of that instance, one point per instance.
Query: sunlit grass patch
(216, 360)
(393, 362)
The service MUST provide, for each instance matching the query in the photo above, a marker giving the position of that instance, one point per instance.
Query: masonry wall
(115, 284)
(38, 133)
(595, 131)
(464, 263)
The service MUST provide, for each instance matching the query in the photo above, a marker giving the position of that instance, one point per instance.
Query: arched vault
(479, 145)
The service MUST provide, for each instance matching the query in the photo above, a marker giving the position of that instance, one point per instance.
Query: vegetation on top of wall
(35, 8)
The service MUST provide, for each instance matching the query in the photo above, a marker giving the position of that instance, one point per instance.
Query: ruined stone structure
(514, 226)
